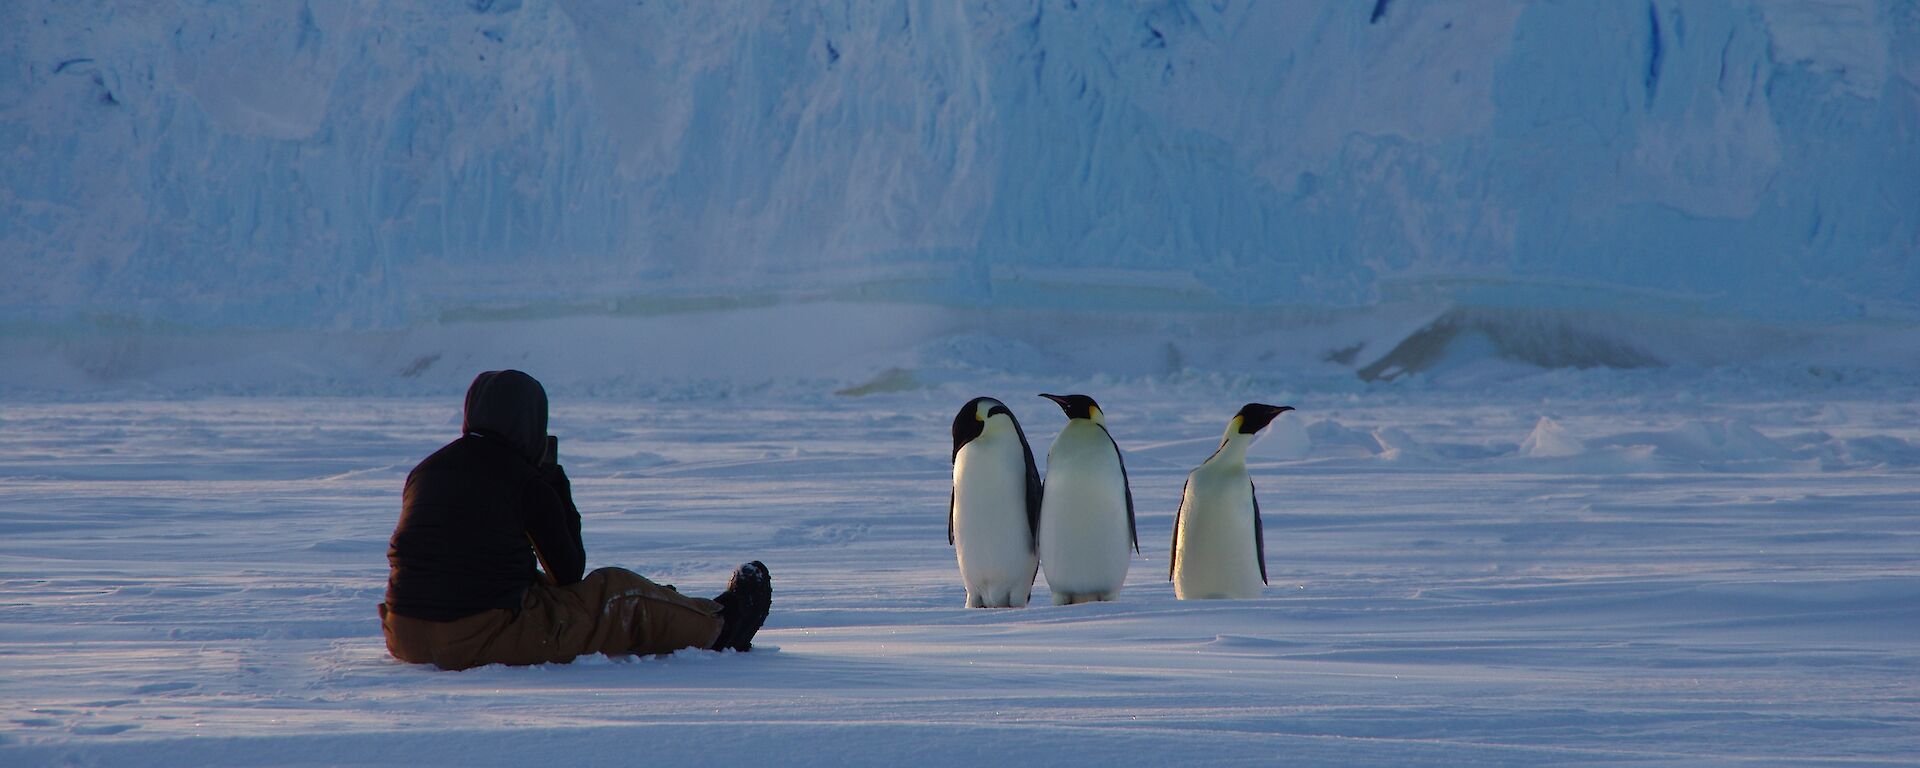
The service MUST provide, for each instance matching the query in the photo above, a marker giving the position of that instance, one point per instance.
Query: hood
(510, 405)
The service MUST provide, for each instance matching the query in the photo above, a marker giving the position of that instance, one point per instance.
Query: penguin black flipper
(1173, 556)
(964, 430)
(1259, 536)
(1034, 487)
(1126, 484)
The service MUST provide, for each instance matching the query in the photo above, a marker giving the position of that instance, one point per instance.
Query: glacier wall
(366, 164)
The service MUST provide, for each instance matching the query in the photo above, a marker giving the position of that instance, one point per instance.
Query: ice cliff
(379, 164)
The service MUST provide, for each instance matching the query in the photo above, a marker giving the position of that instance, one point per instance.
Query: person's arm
(553, 525)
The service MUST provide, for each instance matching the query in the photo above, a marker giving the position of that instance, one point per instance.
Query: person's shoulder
(451, 452)
(471, 453)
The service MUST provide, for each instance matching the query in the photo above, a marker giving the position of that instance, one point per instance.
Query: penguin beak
(1059, 400)
(1273, 413)
(1259, 418)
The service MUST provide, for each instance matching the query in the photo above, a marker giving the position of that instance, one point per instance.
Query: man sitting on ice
(464, 590)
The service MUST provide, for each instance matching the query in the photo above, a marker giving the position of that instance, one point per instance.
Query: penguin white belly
(991, 535)
(1217, 557)
(1083, 518)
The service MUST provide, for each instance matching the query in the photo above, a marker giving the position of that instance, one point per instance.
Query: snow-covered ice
(1601, 319)
(1679, 574)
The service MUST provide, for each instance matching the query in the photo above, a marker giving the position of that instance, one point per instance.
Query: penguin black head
(1078, 407)
(972, 420)
(1254, 417)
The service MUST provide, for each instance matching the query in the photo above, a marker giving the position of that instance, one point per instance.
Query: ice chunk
(1286, 438)
(1550, 440)
(1331, 438)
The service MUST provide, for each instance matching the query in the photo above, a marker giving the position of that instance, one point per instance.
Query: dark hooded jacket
(479, 513)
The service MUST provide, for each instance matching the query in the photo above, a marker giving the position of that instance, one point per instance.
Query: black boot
(743, 607)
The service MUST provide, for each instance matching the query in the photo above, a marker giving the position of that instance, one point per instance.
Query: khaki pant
(612, 611)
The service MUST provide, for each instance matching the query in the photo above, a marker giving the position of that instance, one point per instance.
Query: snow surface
(1675, 568)
(1603, 320)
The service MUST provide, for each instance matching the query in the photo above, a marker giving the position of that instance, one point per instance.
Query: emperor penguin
(993, 515)
(1086, 519)
(1214, 557)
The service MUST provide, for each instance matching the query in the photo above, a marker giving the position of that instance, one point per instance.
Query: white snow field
(1603, 567)
(1603, 320)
